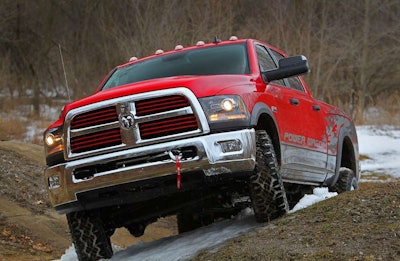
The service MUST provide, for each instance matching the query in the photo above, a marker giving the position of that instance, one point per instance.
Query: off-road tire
(90, 239)
(295, 192)
(266, 187)
(347, 181)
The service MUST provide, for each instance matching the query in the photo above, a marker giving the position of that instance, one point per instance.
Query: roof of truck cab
(188, 48)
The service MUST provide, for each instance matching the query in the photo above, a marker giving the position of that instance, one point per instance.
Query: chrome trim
(164, 115)
(131, 137)
(210, 159)
(94, 129)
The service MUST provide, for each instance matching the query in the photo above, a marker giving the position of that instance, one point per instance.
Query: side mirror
(291, 66)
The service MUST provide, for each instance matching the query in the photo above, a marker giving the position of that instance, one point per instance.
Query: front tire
(266, 187)
(90, 238)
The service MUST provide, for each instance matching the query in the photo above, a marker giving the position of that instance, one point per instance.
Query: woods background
(353, 46)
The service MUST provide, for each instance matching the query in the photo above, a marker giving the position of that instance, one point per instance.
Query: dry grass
(19, 123)
(384, 111)
(12, 128)
(358, 225)
(363, 157)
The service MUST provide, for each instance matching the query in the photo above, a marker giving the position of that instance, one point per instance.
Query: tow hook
(176, 156)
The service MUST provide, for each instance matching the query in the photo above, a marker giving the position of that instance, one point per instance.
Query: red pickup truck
(199, 132)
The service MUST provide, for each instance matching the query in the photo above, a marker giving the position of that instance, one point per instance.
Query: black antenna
(216, 40)
(65, 73)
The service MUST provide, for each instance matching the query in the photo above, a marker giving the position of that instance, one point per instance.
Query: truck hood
(201, 86)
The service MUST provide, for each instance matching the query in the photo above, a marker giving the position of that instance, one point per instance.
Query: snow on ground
(319, 194)
(380, 144)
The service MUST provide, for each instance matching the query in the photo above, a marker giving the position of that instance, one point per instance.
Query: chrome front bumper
(215, 154)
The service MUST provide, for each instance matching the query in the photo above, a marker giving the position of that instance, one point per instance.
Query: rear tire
(295, 192)
(266, 187)
(90, 238)
(347, 181)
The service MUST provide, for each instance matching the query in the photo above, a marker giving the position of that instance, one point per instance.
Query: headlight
(50, 139)
(224, 108)
(53, 141)
(228, 104)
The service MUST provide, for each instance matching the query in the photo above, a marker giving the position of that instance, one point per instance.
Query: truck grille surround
(133, 121)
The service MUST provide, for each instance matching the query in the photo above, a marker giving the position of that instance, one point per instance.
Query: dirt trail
(26, 233)
(29, 227)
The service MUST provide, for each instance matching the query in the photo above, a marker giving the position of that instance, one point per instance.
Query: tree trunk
(362, 92)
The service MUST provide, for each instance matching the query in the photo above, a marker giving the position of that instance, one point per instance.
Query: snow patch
(319, 194)
(382, 146)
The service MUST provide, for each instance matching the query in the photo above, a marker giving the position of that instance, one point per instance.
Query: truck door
(301, 126)
(302, 130)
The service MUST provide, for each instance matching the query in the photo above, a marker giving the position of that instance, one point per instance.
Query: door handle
(316, 107)
(294, 101)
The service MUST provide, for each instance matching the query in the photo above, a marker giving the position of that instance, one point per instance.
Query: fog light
(54, 182)
(230, 145)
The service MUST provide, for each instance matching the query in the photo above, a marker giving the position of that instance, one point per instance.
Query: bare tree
(353, 47)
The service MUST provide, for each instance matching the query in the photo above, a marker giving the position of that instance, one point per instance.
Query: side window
(293, 82)
(266, 62)
(264, 59)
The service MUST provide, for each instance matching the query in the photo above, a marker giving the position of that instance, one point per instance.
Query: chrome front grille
(133, 121)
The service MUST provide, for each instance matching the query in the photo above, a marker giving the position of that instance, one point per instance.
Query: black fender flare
(259, 109)
(345, 132)
(332, 181)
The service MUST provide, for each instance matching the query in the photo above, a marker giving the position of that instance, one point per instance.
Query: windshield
(224, 59)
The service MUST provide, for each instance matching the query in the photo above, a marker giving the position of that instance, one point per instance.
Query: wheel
(347, 181)
(90, 238)
(295, 192)
(266, 187)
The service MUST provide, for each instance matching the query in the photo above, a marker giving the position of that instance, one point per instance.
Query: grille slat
(160, 104)
(169, 126)
(95, 117)
(93, 121)
(166, 127)
(97, 140)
